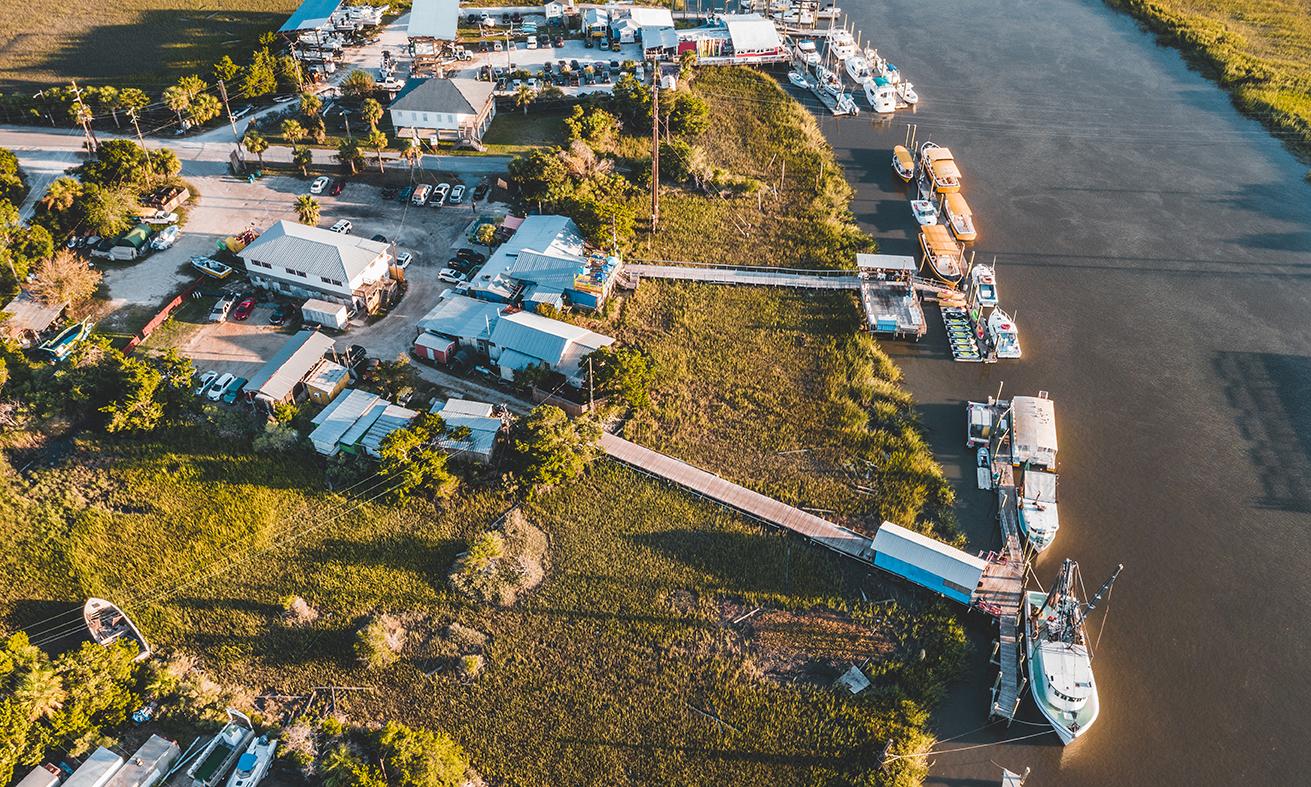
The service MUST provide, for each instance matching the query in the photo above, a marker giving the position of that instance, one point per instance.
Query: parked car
(337, 186)
(476, 257)
(166, 238)
(481, 190)
(404, 259)
(451, 276)
(380, 238)
(319, 184)
(532, 43)
(439, 194)
(285, 98)
(343, 226)
(559, 42)
(219, 386)
(234, 390)
(457, 194)
(205, 380)
(221, 308)
(244, 111)
(243, 309)
(420, 195)
(161, 217)
(279, 315)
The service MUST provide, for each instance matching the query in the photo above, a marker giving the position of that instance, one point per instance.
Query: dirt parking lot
(237, 347)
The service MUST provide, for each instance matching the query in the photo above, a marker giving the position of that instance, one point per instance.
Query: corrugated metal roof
(433, 342)
(655, 17)
(27, 313)
(556, 238)
(482, 434)
(289, 365)
(392, 418)
(463, 407)
(886, 262)
(941, 560)
(361, 425)
(461, 317)
(156, 755)
(434, 19)
(316, 251)
(752, 33)
(1035, 422)
(311, 14)
(659, 37)
(327, 375)
(452, 96)
(538, 336)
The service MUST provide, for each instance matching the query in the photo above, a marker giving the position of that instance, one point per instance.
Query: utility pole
(91, 143)
(591, 387)
(655, 147)
(223, 91)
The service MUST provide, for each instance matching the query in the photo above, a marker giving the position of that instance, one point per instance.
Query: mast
(1105, 589)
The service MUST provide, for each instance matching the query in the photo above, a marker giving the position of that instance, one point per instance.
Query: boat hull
(1068, 727)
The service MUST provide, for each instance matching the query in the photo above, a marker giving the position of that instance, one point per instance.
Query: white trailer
(325, 313)
(96, 770)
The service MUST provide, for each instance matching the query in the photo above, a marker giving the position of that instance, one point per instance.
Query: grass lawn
(512, 131)
(142, 43)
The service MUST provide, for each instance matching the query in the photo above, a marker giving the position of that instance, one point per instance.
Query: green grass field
(127, 43)
(1260, 50)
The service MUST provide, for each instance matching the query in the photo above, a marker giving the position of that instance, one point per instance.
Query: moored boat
(959, 216)
(943, 254)
(211, 267)
(984, 285)
(907, 93)
(881, 96)
(222, 751)
(925, 212)
(857, 68)
(107, 624)
(1059, 658)
(903, 163)
(797, 79)
(1038, 513)
(254, 764)
(1003, 334)
(940, 165)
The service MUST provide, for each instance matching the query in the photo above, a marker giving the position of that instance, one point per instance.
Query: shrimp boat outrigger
(1060, 661)
(943, 254)
(107, 624)
(940, 165)
(959, 217)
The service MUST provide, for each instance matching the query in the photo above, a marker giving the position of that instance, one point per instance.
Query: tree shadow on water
(1271, 397)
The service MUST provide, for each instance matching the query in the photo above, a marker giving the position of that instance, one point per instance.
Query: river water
(1154, 245)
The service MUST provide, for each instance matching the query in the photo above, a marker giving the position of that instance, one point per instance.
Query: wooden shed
(437, 349)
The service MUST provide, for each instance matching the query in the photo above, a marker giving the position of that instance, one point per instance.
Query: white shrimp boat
(1004, 335)
(107, 624)
(254, 764)
(881, 96)
(959, 216)
(1039, 517)
(1059, 658)
(940, 165)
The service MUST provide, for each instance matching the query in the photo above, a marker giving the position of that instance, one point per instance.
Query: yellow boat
(959, 217)
(944, 255)
(941, 168)
(903, 163)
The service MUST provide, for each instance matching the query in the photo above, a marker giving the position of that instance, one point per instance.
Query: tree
(603, 207)
(341, 767)
(104, 210)
(413, 462)
(358, 84)
(412, 154)
(290, 74)
(377, 141)
(293, 131)
(135, 408)
(203, 108)
(255, 143)
(176, 99)
(65, 278)
(165, 163)
(61, 195)
(318, 131)
(261, 76)
(225, 69)
(625, 372)
(632, 102)
(524, 96)
(22, 247)
(687, 60)
(12, 187)
(310, 105)
(592, 124)
(192, 85)
(307, 210)
(348, 153)
(301, 158)
(554, 448)
(132, 100)
(486, 235)
(421, 758)
(689, 114)
(117, 162)
(41, 690)
(542, 177)
(371, 111)
(105, 99)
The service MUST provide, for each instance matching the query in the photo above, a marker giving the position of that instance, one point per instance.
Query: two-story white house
(310, 262)
(439, 109)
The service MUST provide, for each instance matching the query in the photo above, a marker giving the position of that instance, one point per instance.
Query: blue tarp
(311, 14)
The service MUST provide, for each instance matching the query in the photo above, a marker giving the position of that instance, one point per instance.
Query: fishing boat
(107, 624)
(254, 764)
(1059, 658)
(222, 751)
(943, 254)
(903, 163)
(983, 283)
(881, 96)
(1003, 334)
(959, 216)
(63, 342)
(940, 165)
(925, 212)
(907, 93)
(798, 79)
(1039, 519)
(857, 68)
(211, 267)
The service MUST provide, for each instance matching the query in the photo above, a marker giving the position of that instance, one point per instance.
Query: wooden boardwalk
(1001, 593)
(739, 498)
(760, 277)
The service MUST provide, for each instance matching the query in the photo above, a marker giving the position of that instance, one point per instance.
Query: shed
(326, 381)
(96, 770)
(391, 418)
(465, 319)
(477, 417)
(927, 562)
(148, 765)
(28, 318)
(1034, 430)
(311, 15)
(332, 423)
(280, 378)
(437, 349)
(45, 775)
(325, 313)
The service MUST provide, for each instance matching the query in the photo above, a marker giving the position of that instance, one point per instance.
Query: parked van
(420, 195)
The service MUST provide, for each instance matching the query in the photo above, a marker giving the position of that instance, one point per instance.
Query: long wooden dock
(739, 498)
(1001, 593)
(741, 274)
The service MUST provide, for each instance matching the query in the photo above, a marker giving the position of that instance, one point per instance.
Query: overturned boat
(107, 624)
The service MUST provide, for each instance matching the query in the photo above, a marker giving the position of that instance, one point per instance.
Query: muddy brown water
(1154, 246)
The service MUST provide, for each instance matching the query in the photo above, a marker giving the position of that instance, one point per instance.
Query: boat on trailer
(222, 751)
(945, 257)
(959, 216)
(63, 343)
(107, 624)
(940, 165)
(254, 765)
(1059, 657)
(211, 267)
(903, 163)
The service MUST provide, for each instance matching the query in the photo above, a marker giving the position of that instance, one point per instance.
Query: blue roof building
(545, 261)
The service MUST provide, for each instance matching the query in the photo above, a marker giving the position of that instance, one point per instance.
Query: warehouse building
(309, 262)
(927, 562)
(523, 340)
(282, 378)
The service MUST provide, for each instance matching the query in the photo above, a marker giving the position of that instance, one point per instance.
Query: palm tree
(192, 84)
(293, 131)
(42, 690)
(310, 105)
(176, 99)
(61, 195)
(371, 111)
(307, 210)
(412, 154)
(302, 158)
(132, 100)
(378, 141)
(318, 130)
(348, 153)
(203, 108)
(106, 99)
(524, 96)
(255, 143)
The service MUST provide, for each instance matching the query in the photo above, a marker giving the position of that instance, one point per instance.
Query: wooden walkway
(761, 277)
(1001, 593)
(739, 498)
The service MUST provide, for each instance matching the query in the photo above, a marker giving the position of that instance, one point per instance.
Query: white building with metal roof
(927, 562)
(438, 108)
(467, 320)
(525, 339)
(311, 262)
(148, 764)
(280, 378)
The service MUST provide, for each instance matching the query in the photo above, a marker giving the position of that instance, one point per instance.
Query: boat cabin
(1033, 441)
(941, 167)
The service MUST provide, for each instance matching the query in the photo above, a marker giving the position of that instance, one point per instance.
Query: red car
(244, 309)
(337, 186)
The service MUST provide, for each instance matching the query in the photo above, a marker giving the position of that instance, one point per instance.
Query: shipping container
(325, 313)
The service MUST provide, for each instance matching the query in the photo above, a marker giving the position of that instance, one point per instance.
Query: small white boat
(797, 79)
(984, 285)
(832, 12)
(1039, 517)
(907, 93)
(925, 212)
(1060, 662)
(983, 468)
(847, 105)
(881, 96)
(891, 73)
(806, 52)
(211, 267)
(107, 624)
(1003, 334)
(254, 764)
(857, 68)
(903, 163)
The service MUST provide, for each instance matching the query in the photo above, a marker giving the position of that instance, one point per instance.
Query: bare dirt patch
(815, 645)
